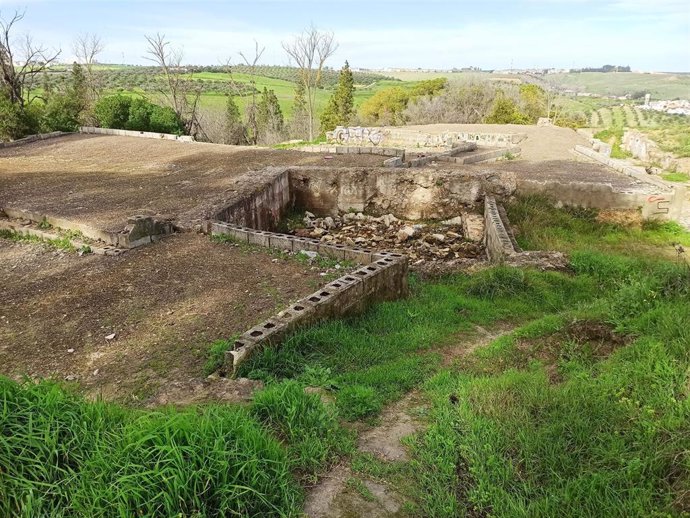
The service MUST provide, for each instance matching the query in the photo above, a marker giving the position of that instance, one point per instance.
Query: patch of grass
(216, 356)
(614, 136)
(61, 243)
(63, 456)
(44, 225)
(538, 225)
(676, 177)
(310, 428)
(356, 485)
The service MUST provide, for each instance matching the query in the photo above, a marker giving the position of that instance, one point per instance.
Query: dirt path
(345, 494)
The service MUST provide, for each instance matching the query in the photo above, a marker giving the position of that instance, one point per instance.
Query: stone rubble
(445, 241)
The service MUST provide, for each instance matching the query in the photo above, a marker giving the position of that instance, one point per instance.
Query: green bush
(62, 456)
(113, 111)
(165, 120)
(501, 281)
(61, 113)
(15, 122)
(139, 118)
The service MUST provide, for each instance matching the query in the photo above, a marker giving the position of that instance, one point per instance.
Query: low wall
(410, 138)
(140, 230)
(645, 149)
(408, 194)
(382, 277)
(497, 237)
(265, 207)
(483, 156)
(665, 203)
(32, 138)
(127, 133)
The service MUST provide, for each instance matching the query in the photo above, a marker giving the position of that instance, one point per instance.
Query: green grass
(676, 177)
(614, 136)
(547, 420)
(61, 243)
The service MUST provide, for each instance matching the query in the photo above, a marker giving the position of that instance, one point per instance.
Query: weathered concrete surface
(408, 194)
(32, 138)
(665, 202)
(497, 240)
(645, 149)
(263, 208)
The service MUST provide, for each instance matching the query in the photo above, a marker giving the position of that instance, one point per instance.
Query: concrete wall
(663, 202)
(32, 138)
(418, 194)
(265, 207)
(414, 138)
(142, 134)
(647, 150)
(497, 237)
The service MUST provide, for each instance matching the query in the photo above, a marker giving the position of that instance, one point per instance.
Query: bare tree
(21, 61)
(87, 47)
(252, 122)
(309, 51)
(180, 93)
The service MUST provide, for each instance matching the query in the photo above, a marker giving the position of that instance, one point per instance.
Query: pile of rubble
(449, 240)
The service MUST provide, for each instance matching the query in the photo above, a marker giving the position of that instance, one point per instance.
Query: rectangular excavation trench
(382, 276)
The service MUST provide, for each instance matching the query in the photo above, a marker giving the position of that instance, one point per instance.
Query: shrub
(139, 118)
(113, 111)
(502, 281)
(15, 123)
(61, 113)
(165, 120)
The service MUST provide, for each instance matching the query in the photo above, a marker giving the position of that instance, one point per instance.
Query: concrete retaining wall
(665, 203)
(410, 138)
(647, 150)
(265, 207)
(142, 134)
(32, 138)
(419, 194)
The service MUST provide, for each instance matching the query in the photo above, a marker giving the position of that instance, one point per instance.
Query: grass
(550, 419)
(676, 176)
(61, 243)
(614, 136)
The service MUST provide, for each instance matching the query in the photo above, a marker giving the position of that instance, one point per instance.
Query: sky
(649, 35)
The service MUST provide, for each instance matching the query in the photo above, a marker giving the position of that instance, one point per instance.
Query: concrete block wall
(497, 239)
(142, 134)
(381, 277)
(481, 157)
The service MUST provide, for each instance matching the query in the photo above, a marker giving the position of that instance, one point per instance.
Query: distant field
(661, 86)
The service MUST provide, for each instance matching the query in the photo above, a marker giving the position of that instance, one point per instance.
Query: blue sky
(646, 34)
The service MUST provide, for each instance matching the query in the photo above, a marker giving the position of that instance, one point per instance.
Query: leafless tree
(21, 61)
(181, 94)
(309, 51)
(87, 47)
(252, 122)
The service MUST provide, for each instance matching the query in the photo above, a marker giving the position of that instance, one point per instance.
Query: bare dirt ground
(101, 180)
(542, 143)
(165, 303)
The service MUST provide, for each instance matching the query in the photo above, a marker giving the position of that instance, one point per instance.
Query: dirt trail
(337, 495)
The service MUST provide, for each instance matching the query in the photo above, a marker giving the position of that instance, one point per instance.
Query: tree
(533, 100)
(21, 64)
(386, 106)
(251, 110)
(299, 125)
(86, 48)
(180, 94)
(234, 129)
(505, 111)
(269, 117)
(340, 107)
(309, 51)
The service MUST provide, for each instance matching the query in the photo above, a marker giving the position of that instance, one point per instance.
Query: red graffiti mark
(654, 198)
